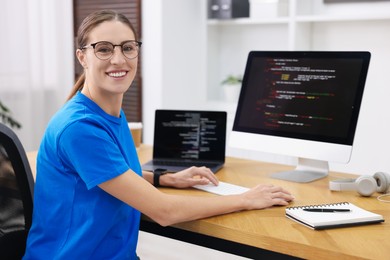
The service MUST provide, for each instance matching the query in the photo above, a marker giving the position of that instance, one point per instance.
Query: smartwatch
(156, 176)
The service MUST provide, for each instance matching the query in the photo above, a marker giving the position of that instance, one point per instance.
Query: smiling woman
(91, 118)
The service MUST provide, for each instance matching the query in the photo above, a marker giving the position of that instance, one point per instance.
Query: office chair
(16, 195)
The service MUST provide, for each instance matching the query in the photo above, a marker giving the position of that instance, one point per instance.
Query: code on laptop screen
(190, 135)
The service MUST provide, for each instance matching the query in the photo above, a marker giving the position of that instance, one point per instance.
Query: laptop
(185, 138)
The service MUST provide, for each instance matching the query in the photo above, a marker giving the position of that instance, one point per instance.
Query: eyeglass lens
(105, 50)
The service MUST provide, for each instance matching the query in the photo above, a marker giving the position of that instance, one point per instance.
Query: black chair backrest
(16, 195)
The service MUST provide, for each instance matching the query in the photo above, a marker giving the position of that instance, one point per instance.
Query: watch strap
(156, 176)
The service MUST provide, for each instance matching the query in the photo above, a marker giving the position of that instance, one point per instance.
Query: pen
(328, 210)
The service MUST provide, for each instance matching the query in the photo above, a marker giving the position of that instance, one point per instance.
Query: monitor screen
(302, 104)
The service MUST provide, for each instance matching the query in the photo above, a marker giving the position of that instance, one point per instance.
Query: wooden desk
(268, 232)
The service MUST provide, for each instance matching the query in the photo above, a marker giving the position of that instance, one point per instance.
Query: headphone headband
(342, 184)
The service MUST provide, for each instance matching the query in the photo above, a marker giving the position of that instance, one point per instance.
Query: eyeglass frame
(93, 45)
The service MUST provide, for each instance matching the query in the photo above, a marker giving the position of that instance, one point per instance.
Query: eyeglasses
(105, 50)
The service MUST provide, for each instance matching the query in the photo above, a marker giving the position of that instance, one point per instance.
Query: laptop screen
(190, 135)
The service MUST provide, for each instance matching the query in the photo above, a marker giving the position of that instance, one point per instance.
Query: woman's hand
(264, 196)
(189, 177)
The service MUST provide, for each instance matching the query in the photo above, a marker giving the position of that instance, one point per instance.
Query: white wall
(172, 57)
(152, 65)
(372, 136)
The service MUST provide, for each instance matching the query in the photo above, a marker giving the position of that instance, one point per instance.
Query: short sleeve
(91, 151)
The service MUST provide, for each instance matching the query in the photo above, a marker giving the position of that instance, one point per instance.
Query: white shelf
(300, 18)
(341, 18)
(249, 21)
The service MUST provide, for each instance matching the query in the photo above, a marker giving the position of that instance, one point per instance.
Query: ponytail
(77, 86)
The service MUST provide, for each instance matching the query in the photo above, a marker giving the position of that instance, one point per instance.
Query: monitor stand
(307, 170)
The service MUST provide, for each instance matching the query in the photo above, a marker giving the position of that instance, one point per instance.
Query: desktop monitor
(303, 104)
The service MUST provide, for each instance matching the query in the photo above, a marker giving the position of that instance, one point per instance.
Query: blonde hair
(87, 25)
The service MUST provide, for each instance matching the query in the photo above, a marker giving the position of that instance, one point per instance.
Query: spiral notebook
(334, 215)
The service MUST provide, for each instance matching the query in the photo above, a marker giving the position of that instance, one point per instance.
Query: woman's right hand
(266, 195)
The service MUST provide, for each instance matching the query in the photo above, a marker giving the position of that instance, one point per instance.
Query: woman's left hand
(189, 177)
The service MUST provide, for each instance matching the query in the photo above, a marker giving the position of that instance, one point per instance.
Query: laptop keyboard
(185, 164)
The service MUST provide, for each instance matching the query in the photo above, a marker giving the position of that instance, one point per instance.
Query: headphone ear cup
(382, 181)
(366, 185)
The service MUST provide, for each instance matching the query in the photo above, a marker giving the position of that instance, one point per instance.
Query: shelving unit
(229, 41)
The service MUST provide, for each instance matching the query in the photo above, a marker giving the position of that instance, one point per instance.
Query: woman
(90, 188)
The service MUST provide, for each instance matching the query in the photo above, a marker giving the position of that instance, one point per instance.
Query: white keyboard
(222, 189)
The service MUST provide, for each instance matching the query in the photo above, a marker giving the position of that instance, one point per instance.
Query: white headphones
(365, 185)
